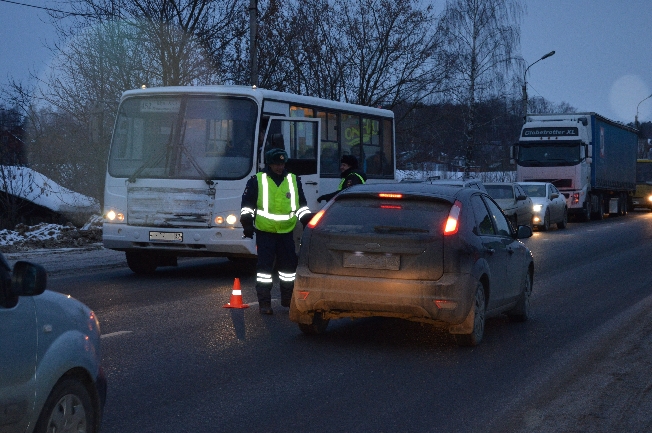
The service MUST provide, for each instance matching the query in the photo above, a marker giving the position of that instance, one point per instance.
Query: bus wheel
(141, 263)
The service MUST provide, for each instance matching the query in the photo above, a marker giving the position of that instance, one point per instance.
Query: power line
(47, 9)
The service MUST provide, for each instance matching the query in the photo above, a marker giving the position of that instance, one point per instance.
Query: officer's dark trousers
(279, 246)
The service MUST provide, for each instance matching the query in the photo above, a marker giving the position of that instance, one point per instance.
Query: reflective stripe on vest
(276, 213)
(339, 188)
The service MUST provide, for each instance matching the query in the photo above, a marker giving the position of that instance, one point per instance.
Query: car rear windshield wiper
(389, 229)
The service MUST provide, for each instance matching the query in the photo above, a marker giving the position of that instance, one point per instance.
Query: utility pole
(253, 49)
(524, 108)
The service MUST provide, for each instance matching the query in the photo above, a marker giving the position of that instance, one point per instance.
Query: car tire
(564, 221)
(475, 337)
(546, 221)
(521, 312)
(68, 408)
(318, 325)
(141, 263)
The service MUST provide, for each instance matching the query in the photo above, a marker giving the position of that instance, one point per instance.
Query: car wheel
(141, 263)
(475, 337)
(564, 221)
(521, 311)
(546, 221)
(318, 325)
(68, 408)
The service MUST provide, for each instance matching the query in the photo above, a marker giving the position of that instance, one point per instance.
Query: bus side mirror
(513, 153)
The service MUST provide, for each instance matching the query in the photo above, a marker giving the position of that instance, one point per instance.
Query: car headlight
(537, 208)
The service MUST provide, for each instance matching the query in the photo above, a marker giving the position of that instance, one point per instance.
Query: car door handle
(311, 182)
(490, 250)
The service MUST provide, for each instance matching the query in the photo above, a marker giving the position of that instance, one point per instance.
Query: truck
(642, 198)
(589, 158)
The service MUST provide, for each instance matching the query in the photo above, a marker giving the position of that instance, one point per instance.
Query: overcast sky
(603, 59)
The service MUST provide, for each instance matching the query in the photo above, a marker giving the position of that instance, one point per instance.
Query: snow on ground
(44, 235)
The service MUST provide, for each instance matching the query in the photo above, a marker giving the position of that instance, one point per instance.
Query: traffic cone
(236, 296)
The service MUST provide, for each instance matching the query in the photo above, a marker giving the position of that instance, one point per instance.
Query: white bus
(181, 156)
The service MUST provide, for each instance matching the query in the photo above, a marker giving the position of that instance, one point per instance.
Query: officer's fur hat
(276, 156)
(350, 160)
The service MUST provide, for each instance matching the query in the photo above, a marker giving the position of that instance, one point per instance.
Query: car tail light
(315, 219)
(576, 198)
(452, 223)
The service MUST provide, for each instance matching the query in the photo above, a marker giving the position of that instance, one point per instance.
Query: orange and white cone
(236, 297)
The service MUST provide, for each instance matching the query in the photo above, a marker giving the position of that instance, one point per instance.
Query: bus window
(330, 161)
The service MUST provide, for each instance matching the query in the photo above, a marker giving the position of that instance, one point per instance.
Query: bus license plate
(372, 261)
(166, 236)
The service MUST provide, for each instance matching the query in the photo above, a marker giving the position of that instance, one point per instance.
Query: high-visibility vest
(339, 188)
(277, 206)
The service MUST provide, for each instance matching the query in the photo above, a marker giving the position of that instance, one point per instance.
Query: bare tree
(485, 35)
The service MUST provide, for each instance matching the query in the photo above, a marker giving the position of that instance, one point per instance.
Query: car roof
(444, 192)
(499, 183)
(533, 183)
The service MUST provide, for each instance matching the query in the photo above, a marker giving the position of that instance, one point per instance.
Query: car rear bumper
(345, 296)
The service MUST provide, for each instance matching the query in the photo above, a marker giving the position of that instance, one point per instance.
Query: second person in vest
(272, 203)
(349, 174)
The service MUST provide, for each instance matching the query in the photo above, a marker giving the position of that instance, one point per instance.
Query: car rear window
(375, 215)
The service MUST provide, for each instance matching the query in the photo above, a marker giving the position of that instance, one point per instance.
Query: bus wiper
(153, 160)
(390, 229)
(192, 160)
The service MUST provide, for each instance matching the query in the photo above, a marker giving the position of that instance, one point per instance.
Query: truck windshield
(535, 154)
(185, 137)
(644, 171)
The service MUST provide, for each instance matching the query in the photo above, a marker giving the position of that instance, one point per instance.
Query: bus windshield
(548, 155)
(183, 137)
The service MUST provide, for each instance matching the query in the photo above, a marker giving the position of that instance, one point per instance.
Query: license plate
(372, 261)
(166, 236)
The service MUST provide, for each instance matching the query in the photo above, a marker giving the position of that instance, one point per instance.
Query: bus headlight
(230, 219)
(114, 216)
(537, 207)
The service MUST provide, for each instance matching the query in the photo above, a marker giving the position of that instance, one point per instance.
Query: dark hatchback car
(427, 253)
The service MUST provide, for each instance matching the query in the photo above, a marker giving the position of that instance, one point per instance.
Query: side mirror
(554, 195)
(521, 197)
(28, 279)
(524, 232)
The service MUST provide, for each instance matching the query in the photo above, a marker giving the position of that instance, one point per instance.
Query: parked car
(548, 205)
(514, 202)
(428, 253)
(51, 378)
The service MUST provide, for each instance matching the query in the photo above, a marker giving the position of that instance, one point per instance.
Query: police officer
(350, 176)
(272, 202)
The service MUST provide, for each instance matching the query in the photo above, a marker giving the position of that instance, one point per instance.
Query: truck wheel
(475, 337)
(564, 221)
(141, 263)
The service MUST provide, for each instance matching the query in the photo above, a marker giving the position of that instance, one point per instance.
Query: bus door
(300, 138)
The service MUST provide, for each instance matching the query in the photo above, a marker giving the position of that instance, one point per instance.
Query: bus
(180, 158)
(642, 198)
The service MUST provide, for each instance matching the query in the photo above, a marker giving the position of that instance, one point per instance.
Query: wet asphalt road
(177, 361)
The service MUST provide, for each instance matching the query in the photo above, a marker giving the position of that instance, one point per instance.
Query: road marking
(115, 334)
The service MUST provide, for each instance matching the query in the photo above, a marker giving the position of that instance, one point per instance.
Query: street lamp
(551, 53)
(636, 118)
